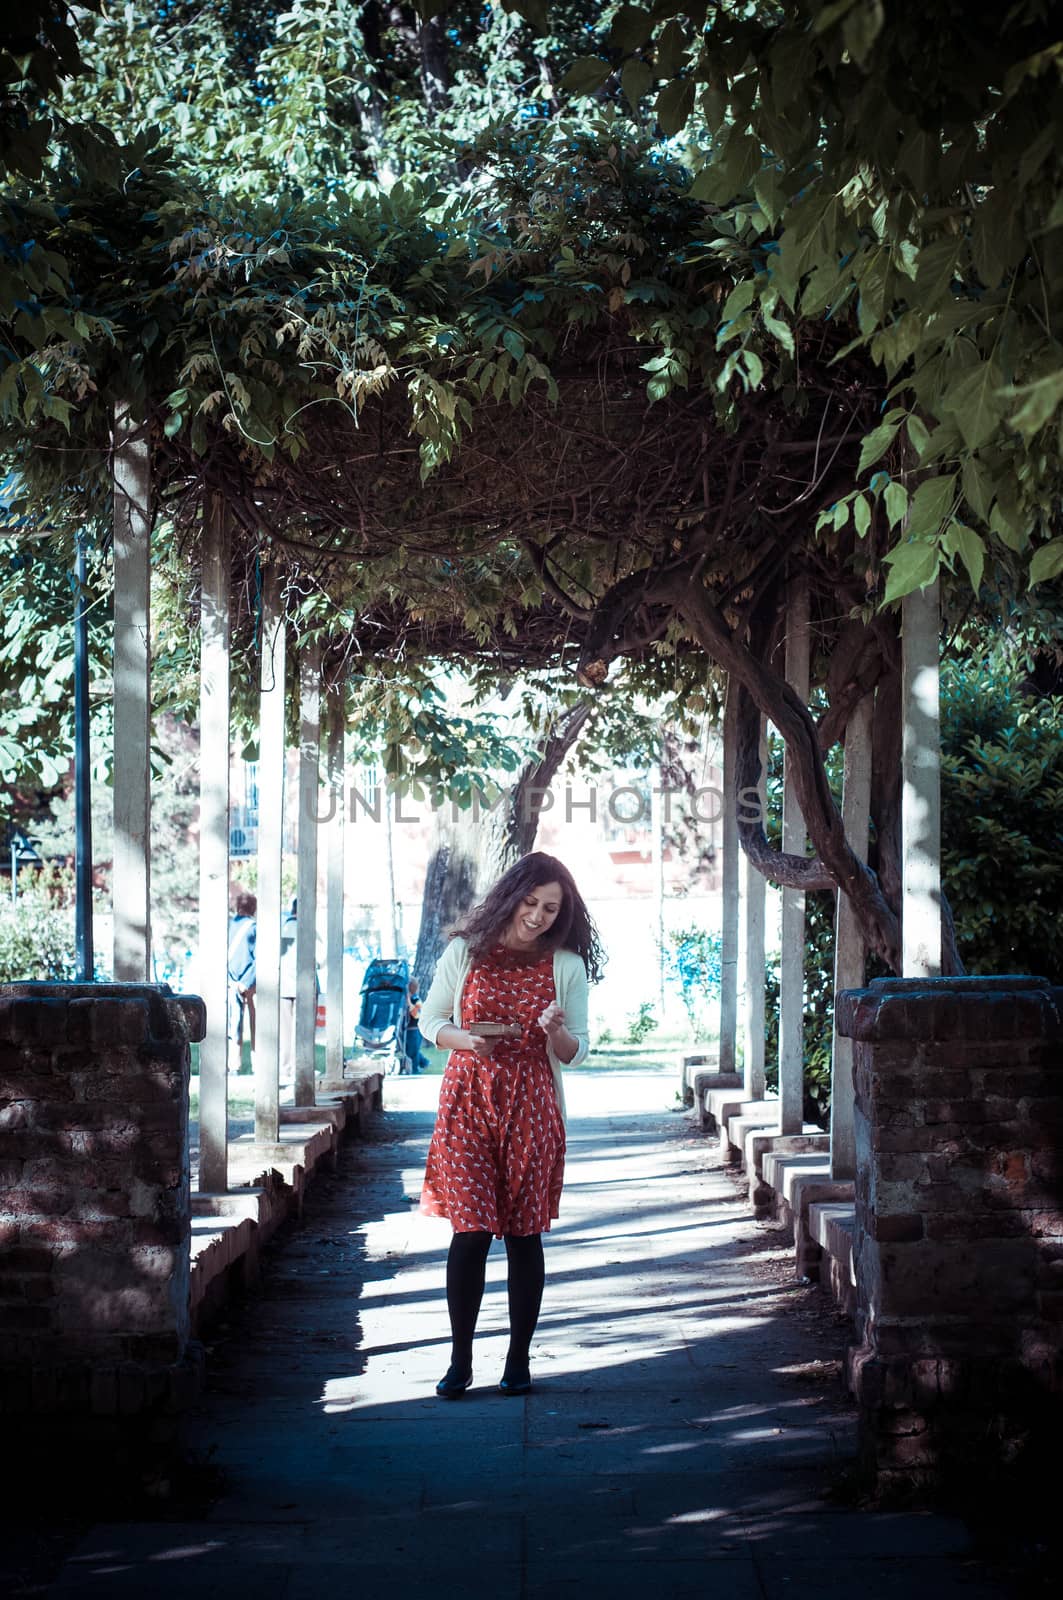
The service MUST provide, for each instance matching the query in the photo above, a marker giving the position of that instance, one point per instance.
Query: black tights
(466, 1264)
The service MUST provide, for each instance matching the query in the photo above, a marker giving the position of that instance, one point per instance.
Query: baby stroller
(381, 1026)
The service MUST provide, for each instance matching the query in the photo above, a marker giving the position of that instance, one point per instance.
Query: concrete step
(781, 1167)
(758, 1141)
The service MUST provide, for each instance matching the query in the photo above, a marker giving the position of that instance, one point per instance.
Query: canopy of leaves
(905, 164)
(808, 321)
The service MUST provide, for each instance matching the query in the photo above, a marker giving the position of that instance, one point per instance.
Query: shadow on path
(687, 1435)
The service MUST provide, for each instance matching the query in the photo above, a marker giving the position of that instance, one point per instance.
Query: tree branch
(774, 697)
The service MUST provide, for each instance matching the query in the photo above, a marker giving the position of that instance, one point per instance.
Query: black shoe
(454, 1384)
(515, 1385)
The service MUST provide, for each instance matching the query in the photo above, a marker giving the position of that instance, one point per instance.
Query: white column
(792, 936)
(214, 845)
(755, 894)
(270, 847)
(334, 915)
(131, 876)
(729, 925)
(389, 922)
(921, 786)
(657, 848)
(849, 949)
(306, 870)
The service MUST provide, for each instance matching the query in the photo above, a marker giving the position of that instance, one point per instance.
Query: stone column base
(958, 1248)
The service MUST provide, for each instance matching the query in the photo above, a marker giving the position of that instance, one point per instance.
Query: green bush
(37, 930)
(692, 959)
(818, 1012)
(641, 1023)
(1002, 822)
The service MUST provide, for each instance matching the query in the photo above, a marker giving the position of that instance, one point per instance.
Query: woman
(497, 1158)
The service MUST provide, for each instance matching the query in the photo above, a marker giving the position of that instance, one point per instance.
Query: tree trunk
(835, 865)
(474, 848)
(449, 891)
(435, 75)
(875, 896)
(370, 112)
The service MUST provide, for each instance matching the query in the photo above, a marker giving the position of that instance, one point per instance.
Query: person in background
(414, 1052)
(241, 962)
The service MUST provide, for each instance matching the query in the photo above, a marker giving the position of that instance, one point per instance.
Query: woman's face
(536, 913)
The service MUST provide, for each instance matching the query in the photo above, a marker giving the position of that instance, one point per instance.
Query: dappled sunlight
(671, 1420)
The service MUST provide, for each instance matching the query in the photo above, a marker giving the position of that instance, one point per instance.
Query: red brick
(37, 1288)
(976, 1225)
(24, 1318)
(15, 1115)
(27, 1259)
(1012, 1165)
(1047, 1166)
(39, 1203)
(901, 1229)
(1050, 1305)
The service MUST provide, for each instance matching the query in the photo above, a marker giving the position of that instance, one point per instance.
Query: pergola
(603, 472)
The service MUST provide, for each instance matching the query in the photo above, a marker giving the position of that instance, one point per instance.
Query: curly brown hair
(572, 929)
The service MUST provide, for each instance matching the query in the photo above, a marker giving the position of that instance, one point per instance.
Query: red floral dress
(497, 1158)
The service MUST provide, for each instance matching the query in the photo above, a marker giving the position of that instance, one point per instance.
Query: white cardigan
(443, 1002)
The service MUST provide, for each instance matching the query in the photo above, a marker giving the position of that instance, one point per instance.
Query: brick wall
(959, 1198)
(94, 1198)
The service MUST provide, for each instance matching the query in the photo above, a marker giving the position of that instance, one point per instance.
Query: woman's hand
(561, 1042)
(552, 1019)
(451, 1037)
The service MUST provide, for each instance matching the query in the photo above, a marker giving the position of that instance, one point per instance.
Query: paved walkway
(684, 1437)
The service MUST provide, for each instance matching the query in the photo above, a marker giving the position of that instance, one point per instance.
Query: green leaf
(537, 12)
(739, 298)
(586, 75)
(1047, 562)
(754, 368)
(829, 14)
(631, 27)
(671, 49)
(861, 28)
(636, 80)
(674, 105)
(173, 424)
(823, 287)
(931, 504)
(996, 237)
(1007, 525)
(771, 196)
(935, 270)
(912, 566)
(513, 343)
(918, 434)
(53, 406)
(895, 500)
(875, 444)
(1039, 401)
(975, 401)
(977, 486)
(969, 546)
(778, 329)
(861, 516)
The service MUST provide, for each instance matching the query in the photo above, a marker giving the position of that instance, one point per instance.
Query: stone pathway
(687, 1433)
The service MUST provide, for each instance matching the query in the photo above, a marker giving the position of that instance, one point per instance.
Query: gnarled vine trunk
(475, 847)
